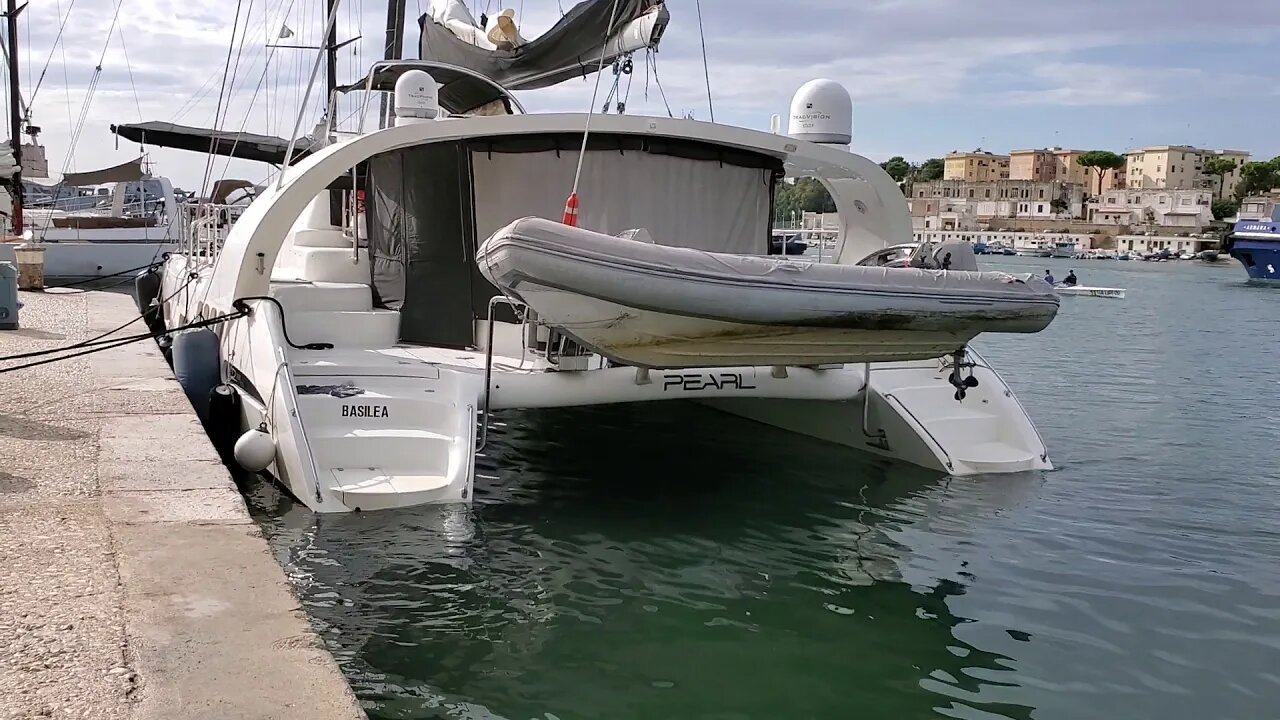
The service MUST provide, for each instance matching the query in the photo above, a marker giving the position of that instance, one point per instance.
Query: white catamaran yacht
(401, 284)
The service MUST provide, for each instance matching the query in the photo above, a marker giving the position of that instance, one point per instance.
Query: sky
(927, 76)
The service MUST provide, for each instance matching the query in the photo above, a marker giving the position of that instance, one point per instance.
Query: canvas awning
(243, 145)
(222, 189)
(124, 172)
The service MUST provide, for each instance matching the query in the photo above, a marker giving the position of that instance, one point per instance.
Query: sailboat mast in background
(15, 113)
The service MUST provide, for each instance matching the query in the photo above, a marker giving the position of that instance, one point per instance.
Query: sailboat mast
(394, 47)
(331, 54)
(15, 112)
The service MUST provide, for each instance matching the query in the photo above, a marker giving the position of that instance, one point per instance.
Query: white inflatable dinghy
(658, 306)
(1116, 293)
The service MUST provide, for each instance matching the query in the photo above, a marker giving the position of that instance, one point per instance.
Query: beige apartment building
(1190, 208)
(1059, 164)
(1180, 167)
(996, 199)
(976, 166)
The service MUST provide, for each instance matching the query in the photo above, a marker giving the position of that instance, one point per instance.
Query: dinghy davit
(649, 305)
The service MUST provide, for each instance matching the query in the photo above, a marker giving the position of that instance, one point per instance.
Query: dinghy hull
(655, 306)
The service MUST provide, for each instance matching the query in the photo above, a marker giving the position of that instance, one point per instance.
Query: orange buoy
(571, 211)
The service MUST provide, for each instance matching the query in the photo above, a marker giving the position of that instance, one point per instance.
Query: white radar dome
(417, 97)
(822, 112)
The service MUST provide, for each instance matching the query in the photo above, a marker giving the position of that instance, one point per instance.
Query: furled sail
(571, 48)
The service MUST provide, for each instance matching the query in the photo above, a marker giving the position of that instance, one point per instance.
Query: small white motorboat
(658, 306)
(1085, 290)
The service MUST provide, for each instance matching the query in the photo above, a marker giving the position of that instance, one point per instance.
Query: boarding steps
(339, 313)
(987, 432)
(390, 441)
(384, 431)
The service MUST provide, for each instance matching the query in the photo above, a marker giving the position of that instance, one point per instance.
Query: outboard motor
(955, 255)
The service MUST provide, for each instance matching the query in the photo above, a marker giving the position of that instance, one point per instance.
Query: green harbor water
(645, 562)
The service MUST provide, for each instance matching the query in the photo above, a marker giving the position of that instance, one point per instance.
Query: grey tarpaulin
(124, 172)
(420, 242)
(430, 205)
(682, 192)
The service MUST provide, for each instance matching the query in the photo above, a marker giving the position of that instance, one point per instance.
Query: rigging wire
(586, 130)
(262, 79)
(226, 68)
(28, 49)
(332, 14)
(706, 71)
(57, 41)
(129, 66)
(653, 60)
(66, 79)
(78, 128)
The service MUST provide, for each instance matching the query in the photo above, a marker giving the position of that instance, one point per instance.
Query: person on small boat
(1070, 279)
(1048, 277)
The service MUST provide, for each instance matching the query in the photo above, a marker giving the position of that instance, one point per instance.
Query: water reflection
(650, 561)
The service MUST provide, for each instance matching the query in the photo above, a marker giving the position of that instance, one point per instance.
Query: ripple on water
(641, 562)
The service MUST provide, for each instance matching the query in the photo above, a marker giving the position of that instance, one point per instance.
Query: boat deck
(407, 361)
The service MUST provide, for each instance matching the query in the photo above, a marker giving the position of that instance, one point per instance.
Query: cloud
(963, 60)
(1090, 84)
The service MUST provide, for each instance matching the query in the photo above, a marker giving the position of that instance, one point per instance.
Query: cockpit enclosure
(429, 207)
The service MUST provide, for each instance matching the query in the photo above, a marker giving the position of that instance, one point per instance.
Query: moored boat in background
(1256, 244)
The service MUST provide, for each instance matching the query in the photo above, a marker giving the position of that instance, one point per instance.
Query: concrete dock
(133, 583)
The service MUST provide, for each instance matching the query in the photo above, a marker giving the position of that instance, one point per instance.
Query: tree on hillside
(803, 195)
(812, 196)
(897, 167)
(1223, 209)
(929, 170)
(1058, 206)
(1100, 161)
(1258, 177)
(1220, 167)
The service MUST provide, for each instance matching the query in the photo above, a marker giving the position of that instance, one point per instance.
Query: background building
(1055, 163)
(962, 204)
(1180, 167)
(1190, 209)
(1260, 207)
(976, 166)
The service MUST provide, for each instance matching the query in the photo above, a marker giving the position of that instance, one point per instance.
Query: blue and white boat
(1256, 244)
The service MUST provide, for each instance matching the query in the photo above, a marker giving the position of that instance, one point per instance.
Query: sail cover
(571, 48)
